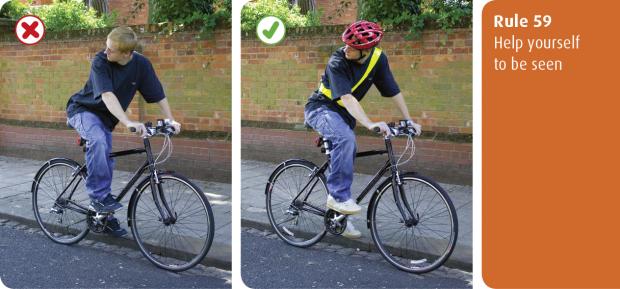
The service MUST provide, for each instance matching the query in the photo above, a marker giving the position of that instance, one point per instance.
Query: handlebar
(401, 129)
(162, 127)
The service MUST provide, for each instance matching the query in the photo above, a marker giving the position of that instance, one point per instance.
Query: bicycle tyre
(157, 240)
(52, 218)
(425, 246)
(307, 229)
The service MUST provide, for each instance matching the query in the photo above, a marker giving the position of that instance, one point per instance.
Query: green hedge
(253, 12)
(207, 14)
(61, 15)
(418, 14)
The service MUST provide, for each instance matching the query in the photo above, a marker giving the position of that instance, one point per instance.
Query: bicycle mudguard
(46, 165)
(280, 166)
(134, 194)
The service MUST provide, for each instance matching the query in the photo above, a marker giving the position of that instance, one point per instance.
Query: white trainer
(350, 231)
(348, 208)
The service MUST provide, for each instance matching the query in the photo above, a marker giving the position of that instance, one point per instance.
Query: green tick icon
(269, 33)
(270, 30)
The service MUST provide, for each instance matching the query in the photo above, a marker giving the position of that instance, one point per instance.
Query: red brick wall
(334, 12)
(38, 80)
(196, 158)
(434, 74)
(442, 160)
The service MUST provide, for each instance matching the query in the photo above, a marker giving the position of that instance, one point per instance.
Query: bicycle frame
(390, 165)
(166, 213)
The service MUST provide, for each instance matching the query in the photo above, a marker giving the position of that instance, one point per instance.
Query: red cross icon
(30, 29)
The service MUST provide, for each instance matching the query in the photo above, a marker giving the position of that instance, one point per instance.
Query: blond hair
(125, 38)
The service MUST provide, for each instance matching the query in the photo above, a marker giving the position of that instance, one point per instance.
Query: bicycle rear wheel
(418, 248)
(175, 246)
(58, 191)
(301, 223)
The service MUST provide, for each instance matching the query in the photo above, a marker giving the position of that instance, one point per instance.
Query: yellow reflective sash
(373, 60)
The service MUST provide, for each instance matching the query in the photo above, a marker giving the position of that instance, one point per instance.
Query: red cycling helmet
(362, 35)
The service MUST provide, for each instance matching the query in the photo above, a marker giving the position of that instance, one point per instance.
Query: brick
(57, 76)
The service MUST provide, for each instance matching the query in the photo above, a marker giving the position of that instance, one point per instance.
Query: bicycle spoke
(179, 245)
(422, 246)
(64, 225)
(304, 228)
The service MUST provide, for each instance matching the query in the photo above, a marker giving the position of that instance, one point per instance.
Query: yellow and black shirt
(344, 76)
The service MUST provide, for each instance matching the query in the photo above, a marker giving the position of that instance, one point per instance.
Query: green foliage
(62, 15)
(71, 15)
(253, 12)
(206, 13)
(448, 14)
(417, 14)
(13, 10)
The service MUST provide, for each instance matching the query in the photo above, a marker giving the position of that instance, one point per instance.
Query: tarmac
(17, 174)
(254, 176)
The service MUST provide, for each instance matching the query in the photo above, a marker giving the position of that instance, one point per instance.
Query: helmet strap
(362, 55)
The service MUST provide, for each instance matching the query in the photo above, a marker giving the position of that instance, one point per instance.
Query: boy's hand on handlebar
(381, 127)
(176, 126)
(415, 126)
(136, 127)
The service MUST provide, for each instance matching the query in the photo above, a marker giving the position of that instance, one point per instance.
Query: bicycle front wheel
(415, 248)
(60, 201)
(300, 222)
(178, 245)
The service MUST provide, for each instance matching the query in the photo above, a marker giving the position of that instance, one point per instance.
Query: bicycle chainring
(335, 222)
(97, 222)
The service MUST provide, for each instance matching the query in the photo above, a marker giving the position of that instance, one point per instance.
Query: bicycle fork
(406, 212)
(167, 215)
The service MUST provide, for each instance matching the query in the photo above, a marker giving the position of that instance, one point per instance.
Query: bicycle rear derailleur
(335, 222)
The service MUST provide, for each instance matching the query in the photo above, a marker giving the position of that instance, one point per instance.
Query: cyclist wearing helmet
(334, 108)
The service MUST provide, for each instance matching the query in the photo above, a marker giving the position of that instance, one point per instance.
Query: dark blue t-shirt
(342, 74)
(123, 80)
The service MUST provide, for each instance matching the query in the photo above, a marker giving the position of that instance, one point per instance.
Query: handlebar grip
(132, 129)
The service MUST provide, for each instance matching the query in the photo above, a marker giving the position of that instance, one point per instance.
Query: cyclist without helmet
(116, 73)
(334, 108)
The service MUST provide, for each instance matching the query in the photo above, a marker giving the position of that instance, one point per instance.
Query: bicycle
(412, 220)
(170, 218)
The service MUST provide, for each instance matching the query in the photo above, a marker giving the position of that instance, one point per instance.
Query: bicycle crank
(97, 222)
(335, 222)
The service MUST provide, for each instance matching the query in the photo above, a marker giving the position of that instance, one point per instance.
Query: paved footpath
(254, 176)
(16, 175)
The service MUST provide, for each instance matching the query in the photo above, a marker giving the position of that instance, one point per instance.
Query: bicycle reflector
(80, 141)
(318, 141)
